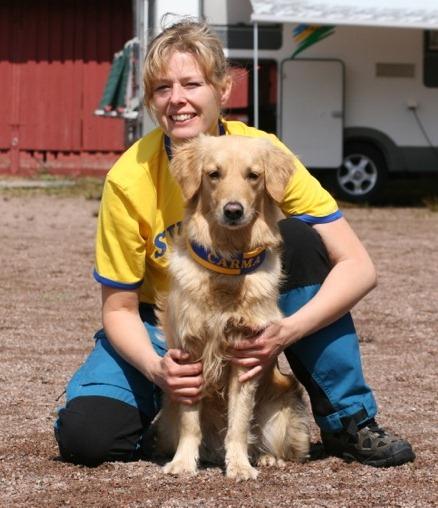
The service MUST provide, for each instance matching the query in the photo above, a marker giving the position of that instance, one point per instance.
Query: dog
(225, 270)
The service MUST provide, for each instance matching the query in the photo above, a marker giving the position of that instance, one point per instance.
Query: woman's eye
(192, 84)
(252, 176)
(161, 88)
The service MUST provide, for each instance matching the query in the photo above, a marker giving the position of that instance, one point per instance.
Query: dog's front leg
(241, 399)
(187, 452)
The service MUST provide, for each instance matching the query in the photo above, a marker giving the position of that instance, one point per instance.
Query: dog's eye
(252, 176)
(214, 175)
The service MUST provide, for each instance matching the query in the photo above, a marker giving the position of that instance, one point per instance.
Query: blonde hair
(186, 36)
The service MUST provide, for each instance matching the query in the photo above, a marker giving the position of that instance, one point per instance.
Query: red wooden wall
(54, 60)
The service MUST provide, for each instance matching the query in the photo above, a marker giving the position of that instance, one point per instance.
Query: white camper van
(350, 87)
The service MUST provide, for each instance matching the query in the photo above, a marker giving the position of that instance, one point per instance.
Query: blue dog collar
(241, 264)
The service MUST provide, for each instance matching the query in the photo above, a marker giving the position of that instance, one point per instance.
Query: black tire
(362, 176)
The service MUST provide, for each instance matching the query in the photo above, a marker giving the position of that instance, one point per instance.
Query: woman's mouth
(182, 117)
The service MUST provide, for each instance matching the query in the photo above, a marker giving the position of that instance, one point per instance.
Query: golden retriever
(225, 270)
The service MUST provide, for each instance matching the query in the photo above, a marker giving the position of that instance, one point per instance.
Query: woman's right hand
(179, 378)
(174, 373)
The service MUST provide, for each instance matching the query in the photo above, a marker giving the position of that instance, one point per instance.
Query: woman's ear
(186, 167)
(279, 168)
(225, 90)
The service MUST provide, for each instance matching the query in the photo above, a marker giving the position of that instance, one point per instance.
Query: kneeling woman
(115, 394)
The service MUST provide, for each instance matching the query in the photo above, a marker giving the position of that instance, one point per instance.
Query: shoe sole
(398, 459)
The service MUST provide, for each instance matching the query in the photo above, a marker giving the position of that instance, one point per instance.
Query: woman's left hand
(258, 352)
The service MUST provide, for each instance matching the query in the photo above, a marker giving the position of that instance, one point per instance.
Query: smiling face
(184, 103)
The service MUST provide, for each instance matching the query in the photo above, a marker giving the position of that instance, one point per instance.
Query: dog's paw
(270, 461)
(241, 472)
(179, 467)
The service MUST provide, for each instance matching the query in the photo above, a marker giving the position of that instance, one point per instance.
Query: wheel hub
(358, 175)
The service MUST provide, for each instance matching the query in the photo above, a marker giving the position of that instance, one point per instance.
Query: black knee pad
(304, 257)
(91, 430)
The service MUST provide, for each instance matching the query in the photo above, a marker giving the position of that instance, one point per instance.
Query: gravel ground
(50, 310)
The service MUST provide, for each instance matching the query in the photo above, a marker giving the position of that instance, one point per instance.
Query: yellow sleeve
(122, 239)
(307, 200)
(304, 197)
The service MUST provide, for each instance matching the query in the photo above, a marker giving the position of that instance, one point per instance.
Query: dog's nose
(233, 210)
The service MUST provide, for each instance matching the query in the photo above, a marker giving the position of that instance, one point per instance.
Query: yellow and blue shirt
(142, 205)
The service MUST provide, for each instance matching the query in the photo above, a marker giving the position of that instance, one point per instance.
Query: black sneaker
(371, 445)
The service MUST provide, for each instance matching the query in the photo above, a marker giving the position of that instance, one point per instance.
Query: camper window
(433, 40)
(431, 58)
(241, 36)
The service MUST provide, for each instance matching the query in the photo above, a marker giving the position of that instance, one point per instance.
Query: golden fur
(262, 419)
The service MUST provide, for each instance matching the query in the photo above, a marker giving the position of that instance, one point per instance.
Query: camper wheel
(362, 174)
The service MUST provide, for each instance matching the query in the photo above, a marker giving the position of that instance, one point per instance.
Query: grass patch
(49, 185)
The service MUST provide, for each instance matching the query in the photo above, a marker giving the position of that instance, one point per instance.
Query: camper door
(311, 110)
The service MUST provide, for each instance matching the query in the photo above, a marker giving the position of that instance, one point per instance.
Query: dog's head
(231, 176)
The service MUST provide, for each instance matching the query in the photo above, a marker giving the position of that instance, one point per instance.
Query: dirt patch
(50, 310)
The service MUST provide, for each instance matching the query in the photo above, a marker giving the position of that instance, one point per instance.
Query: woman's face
(184, 103)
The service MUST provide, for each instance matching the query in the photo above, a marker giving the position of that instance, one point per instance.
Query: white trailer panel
(320, 117)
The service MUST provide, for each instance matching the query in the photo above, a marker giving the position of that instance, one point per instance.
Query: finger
(182, 359)
(178, 355)
(186, 369)
(245, 362)
(246, 344)
(249, 353)
(175, 368)
(185, 382)
(188, 392)
(252, 373)
(243, 344)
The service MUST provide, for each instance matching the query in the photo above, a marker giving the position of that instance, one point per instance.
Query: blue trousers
(327, 362)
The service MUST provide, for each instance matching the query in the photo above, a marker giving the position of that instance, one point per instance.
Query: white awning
(386, 13)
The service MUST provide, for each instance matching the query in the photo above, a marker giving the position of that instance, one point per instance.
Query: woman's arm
(351, 278)
(127, 334)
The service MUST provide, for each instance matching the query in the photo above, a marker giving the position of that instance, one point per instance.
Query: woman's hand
(181, 380)
(173, 373)
(259, 352)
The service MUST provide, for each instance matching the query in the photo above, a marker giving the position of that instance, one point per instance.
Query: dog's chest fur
(205, 311)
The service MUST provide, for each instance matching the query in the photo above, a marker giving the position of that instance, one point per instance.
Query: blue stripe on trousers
(332, 358)
(104, 373)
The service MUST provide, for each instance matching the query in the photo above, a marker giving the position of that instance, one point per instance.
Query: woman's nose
(177, 95)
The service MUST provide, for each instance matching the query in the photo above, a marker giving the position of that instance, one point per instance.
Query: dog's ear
(186, 167)
(279, 168)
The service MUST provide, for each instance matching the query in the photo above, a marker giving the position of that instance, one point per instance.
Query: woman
(113, 397)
